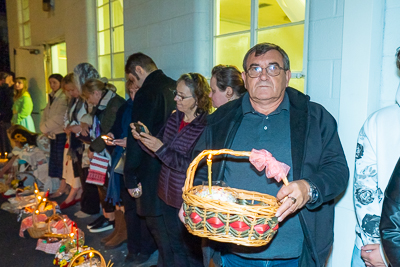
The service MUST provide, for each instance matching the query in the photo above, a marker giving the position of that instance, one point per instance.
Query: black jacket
(153, 104)
(390, 218)
(317, 156)
(6, 103)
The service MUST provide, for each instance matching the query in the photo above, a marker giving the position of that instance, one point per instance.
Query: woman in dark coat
(173, 146)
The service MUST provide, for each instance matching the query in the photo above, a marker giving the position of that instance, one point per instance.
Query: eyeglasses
(179, 97)
(272, 70)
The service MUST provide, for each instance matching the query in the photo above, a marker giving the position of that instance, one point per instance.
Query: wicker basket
(38, 230)
(81, 257)
(253, 224)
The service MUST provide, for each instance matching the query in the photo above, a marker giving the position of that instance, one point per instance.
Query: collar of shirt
(248, 108)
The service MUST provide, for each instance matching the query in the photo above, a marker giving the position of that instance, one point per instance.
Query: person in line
(23, 105)
(52, 125)
(6, 96)
(226, 84)
(390, 217)
(153, 104)
(297, 132)
(77, 116)
(106, 102)
(128, 225)
(378, 149)
(173, 146)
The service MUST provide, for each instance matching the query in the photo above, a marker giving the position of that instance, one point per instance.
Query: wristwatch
(312, 193)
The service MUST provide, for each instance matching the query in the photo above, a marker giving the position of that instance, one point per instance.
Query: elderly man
(296, 131)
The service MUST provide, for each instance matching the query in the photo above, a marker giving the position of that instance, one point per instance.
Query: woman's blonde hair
(92, 85)
(19, 93)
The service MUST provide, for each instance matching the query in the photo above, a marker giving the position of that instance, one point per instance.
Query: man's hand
(75, 128)
(371, 255)
(180, 215)
(297, 196)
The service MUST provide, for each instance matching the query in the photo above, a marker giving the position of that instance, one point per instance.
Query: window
(59, 59)
(240, 24)
(110, 42)
(24, 23)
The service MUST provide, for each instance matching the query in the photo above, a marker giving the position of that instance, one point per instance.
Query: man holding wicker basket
(299, 133)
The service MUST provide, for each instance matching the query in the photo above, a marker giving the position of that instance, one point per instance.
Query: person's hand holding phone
(137, 129)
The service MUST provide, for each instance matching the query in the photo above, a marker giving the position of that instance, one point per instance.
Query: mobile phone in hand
(139, 128)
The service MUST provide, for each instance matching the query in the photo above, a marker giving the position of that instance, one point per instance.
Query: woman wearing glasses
(173, 146)
(226, 84)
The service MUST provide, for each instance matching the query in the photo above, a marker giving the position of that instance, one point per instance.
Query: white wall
(351, 71)
(72, 21)
(176, 34)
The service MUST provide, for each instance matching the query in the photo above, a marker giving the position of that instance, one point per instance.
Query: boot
(110, 236)
(121, 235)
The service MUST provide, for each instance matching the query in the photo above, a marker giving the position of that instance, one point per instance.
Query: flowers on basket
(217, 193)
(273, 169)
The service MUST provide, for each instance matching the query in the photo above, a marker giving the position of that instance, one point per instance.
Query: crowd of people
(127, 158)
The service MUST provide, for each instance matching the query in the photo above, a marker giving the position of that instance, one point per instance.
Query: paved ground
(16, 251)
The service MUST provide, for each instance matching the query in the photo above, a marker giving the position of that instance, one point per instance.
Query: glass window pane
(118, 66)
(230, 50)
(291, 39)
(297, 84)
(105, 66)
(103, 18)
(118, 13)
(27, 41)
(118, 39)
(27, 30)
(25, 4)
(59, 59)
(233, 16)
(101, 2)
(21, 35)
(25, 15)
(103, 42)
(120, 85)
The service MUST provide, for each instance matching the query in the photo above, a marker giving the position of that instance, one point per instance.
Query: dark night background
(4, 50)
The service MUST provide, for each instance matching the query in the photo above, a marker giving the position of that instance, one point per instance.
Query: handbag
(120, 165)
(97, 170)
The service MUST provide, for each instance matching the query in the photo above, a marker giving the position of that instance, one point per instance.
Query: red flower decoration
(195, 217)
(261, 228)
(215, 222)
(240, 226)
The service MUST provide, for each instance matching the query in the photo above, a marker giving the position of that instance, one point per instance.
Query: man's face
(266, 90)
(136, 82)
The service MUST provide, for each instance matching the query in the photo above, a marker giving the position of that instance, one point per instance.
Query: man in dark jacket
(6, 98)
(153, 104)
(296, 131)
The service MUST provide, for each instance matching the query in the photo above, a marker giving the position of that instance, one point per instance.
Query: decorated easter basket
(91, 258)
(250, 223)
(40, 228)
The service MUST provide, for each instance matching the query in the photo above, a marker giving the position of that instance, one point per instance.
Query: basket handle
(193, 165)
(50, 233)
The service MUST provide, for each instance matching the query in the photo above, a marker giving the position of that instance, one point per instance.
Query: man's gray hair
(261, 49)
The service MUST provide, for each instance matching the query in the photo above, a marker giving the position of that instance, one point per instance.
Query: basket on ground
(250, 223)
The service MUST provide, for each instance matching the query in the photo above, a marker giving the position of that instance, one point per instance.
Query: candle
(5, 155)
(209, 164)
(77, 237)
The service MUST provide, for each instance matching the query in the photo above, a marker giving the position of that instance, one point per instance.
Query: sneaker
(102, 226)
(98, 220)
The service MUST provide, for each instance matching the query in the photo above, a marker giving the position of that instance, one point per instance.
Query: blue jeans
(356, 260)
(232, 260)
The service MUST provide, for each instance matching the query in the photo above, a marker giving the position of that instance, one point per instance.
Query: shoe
(120, 234)
(102, 226)
(131, 257)
(98, 220)
(65, 205)
(141, 258)
(104, 240)
(81, 214)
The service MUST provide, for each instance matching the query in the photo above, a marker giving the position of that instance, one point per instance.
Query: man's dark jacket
(153, 104)
(390, 219)
(317, 156)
